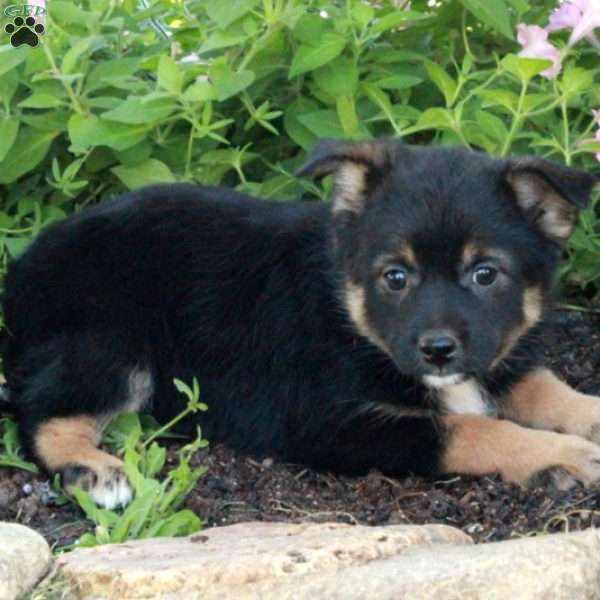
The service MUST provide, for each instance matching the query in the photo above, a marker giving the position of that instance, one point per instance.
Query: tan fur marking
(532, 313)
(470, 253)
(543, 401)
(558, 217)
(406, 255)
(350, 188)
(480, 446)
(72, 441)
(354, 300)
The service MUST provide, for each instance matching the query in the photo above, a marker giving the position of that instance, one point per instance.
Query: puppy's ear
(358, 168)
(549, 194)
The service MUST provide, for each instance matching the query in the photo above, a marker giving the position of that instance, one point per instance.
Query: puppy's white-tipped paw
(107, 486)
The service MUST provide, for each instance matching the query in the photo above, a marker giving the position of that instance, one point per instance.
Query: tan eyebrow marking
(405, 255)
(472, 251)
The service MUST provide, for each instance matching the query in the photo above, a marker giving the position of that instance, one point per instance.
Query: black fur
(247, 296)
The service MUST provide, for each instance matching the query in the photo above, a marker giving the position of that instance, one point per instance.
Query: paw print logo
(24, 32)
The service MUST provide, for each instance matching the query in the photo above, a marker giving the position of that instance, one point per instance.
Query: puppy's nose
(438, 347)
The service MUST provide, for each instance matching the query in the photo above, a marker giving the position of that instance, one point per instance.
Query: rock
(244, 560)
(24, 559)
(557, 567)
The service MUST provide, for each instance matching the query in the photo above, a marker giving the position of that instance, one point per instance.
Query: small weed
(154, 511)
(10, 452)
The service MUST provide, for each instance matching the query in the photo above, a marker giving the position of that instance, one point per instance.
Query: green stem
(566, 133)
(168, 426)
(516, 122)
(464, 33)
(76, 105)
(188, 156)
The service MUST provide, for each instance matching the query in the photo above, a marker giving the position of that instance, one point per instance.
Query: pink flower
(582, 16)
(566, 16)
(535, 44)
(590, 20)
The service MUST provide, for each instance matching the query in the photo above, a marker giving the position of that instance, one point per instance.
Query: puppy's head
(446, 255)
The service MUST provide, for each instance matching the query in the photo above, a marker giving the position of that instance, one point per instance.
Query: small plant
(10, 451)
(155, 510)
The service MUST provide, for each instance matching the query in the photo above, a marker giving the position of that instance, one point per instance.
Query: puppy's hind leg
(69, 446)
(65, 391)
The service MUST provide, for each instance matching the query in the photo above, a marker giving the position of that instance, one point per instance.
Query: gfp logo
(24, 10)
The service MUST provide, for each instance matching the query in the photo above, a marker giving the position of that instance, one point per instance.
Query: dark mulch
(237, 488)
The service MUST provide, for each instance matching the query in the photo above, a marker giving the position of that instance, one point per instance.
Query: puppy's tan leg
(69, 446)
(481, 445)
(542, 401)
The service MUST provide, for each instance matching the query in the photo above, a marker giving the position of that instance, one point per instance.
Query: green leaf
(149, 172)
(398, 82)
(362, 14)
(347, 115)
(89, 131)
(9, 82)
(136, 110)
(184, 522)
(575, 80)
(68, 13)
(16, 246)
(494, 13)
(29, 149)
(9, 127)
(80, 48)
(492, 126)
(435, 118)
(222, 39)
(227, 82)
(309, 58)
(41, 100)
(338, 78)
(155, 459)
(225, 13)
(200, 92)
(170, 76)
(11, 57)
(298, 132)
(442, 80)
(501, 97)
(525, 68)
(326, 123)
(309, 28)
(394, 19)
(111, 72)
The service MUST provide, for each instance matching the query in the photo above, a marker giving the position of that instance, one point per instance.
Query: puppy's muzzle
(438, 348)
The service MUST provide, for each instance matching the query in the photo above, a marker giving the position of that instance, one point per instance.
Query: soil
(238, 488)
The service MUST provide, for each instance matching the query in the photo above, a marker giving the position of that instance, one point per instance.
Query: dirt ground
(238, 488)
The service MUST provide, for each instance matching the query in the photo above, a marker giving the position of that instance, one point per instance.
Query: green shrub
(117, 96)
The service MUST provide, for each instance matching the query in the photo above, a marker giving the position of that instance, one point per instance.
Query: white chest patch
(465, 398)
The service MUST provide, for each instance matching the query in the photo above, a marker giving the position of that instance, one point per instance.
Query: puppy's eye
(396, 279)
(485, 275)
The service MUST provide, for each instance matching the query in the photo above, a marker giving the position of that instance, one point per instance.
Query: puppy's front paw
(577, 460)
(107, 485)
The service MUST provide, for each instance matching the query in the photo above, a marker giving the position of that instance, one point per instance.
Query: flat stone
(24, 559)
(246, 560)
(548, 567)
(339, 562)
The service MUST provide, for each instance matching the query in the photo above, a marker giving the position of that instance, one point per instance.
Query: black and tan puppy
(397, 328)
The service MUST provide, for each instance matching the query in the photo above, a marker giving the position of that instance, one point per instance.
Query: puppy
(395, 328)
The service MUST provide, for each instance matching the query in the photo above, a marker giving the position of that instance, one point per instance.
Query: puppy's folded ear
(358, 168)
(549, 194)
